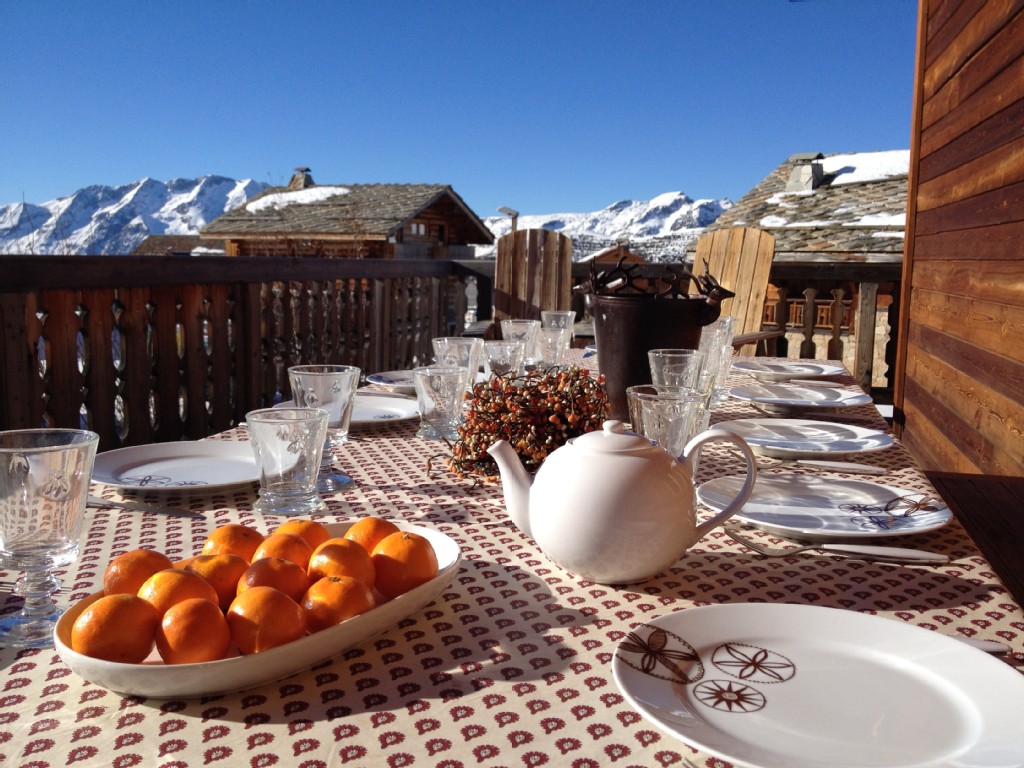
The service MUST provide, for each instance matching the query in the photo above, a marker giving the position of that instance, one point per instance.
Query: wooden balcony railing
(153, 349)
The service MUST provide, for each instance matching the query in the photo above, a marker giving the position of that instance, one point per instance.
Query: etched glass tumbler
(675, 367)
(440, 392)
(288, 444)
(44, 481)
(333, 388)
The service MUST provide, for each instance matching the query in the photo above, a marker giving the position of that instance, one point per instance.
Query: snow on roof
(866, 166)
(278, 200)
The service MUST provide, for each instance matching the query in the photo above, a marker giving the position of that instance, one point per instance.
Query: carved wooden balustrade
(153, 349)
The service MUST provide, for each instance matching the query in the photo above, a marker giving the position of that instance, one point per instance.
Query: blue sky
(544, 107)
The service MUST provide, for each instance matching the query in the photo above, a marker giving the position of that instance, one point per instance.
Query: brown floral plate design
(768, 685)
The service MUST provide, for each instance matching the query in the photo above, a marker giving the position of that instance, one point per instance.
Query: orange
(126, 572)
(165, 588)
(261, 618)
(285, 575)
(193, 631)
(286, 545)
(116, 627)
(369, 531)
(313, 532)
(223, 573)
(233, 539)
(333, 599)
(403, 560)
(341, 557)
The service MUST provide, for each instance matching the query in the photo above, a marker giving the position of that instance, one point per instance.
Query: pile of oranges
(247, 592)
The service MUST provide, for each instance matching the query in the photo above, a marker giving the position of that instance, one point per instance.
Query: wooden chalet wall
(960, 377)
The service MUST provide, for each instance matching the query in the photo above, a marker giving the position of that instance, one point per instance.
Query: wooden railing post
(864, 355)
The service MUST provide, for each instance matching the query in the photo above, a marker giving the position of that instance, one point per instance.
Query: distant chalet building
(376, 221)
(849, 207)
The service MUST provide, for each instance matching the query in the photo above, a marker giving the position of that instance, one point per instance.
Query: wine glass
(333, 388)
(44, 481)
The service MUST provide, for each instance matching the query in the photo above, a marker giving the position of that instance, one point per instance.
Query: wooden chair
(532, 272)
(740, 258)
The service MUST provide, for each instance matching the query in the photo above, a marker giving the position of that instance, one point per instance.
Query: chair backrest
(740, 258)
(532, 272)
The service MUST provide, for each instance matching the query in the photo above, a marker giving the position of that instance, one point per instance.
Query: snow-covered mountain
(659, 229)
(114, 220)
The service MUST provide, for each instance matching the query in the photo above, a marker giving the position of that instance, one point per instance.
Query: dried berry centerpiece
(535, 413)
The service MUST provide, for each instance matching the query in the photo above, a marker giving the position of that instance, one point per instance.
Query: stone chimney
(807, 173)
(301, 179)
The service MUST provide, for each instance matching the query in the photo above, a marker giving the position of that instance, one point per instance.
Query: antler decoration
(673, 282)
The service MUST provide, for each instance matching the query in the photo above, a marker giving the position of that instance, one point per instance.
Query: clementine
(286, 545)
(222, 571)
(193, 631)
(126, 572)
(116, 627)
(232, 539)
(403, 560)
(369, 531)
(261, 618)
(285, 575)
(341, 557)
(333, 599)
(165, 588)
(313, 532)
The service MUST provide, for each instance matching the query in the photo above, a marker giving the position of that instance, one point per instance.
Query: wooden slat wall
(960, 376)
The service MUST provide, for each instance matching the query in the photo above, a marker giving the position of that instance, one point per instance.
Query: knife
(843, 466)
(158, 509)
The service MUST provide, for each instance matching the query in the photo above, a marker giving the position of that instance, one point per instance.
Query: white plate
(208, 465)
(395, 381)
(817, 508)
(799, 686)
(801, 397)
(180, 681)
(784, 371)
(805, 438)
(372, 411)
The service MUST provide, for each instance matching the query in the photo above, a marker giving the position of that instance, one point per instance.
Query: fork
(864, 551)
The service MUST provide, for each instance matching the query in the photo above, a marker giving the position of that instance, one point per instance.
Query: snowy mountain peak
(114, 220)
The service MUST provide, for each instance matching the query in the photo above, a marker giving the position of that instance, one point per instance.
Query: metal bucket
(627, 326)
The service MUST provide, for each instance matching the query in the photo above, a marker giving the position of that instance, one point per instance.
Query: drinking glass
(675, 367)
(333, 388)
(440, 392)
(460, 352)
(288, 444)
(550, 346)
(524, 331)
(668, 416)
(716, 342)
(44, 481)
(504, 357)
(558, 318)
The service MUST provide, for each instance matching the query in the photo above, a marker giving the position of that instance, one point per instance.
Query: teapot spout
(515, 484)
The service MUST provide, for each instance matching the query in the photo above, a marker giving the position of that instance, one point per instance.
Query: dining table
(512, 663)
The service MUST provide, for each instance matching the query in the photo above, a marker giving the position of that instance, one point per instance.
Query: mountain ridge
(114, 220)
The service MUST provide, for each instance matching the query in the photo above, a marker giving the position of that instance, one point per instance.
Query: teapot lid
(613, 437)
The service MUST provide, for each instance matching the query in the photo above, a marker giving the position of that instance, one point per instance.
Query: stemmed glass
(44, 481)
(333, 388)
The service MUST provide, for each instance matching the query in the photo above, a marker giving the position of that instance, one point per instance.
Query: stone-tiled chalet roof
(856, 213)
(375, 211)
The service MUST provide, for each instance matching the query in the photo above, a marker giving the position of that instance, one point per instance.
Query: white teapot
(611, 506)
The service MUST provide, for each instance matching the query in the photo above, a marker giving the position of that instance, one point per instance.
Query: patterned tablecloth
(511, 666)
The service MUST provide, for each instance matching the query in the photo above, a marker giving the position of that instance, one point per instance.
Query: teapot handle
(748, 484)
